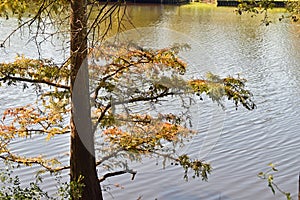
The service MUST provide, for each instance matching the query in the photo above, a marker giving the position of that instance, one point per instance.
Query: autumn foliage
(127, 83)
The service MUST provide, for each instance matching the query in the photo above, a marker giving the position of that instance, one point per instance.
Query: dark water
(239, 144)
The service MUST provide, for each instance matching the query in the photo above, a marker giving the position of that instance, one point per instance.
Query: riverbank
(227, 3)
(175, 2)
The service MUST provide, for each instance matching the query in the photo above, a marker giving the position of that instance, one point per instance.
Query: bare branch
(108, 157)
(29, 22)
(117, 173)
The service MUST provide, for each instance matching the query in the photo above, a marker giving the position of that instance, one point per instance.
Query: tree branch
(100, 118)
(149, 98)
(133, 100)
(30, 161)
(117, 173)
(108, 157)
(34, 81)
(29, 22)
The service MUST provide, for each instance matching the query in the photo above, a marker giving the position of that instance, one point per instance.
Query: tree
(271, 183)
(81, 152)
(126, 133)
(263, 7)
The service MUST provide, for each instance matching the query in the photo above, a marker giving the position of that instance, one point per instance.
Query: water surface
(226, 44)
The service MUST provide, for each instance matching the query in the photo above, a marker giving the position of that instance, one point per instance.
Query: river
(242, 143)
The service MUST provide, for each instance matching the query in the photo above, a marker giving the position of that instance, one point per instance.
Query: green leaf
(273, 167)
(288, 196)
(261, 174)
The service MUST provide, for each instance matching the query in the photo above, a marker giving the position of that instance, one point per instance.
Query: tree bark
(82, 158)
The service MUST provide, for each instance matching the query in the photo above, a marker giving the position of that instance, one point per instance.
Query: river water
(240, 143)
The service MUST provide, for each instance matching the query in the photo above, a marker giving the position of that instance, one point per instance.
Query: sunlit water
(246, 141)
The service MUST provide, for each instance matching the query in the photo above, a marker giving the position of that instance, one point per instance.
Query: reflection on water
(226, 44)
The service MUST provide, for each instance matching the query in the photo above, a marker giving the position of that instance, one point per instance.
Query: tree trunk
(82, 159)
